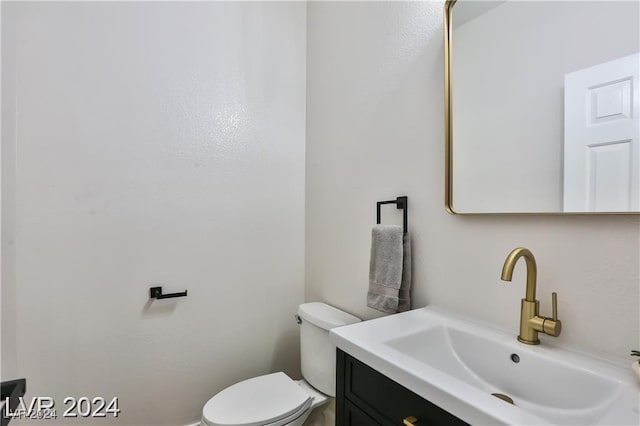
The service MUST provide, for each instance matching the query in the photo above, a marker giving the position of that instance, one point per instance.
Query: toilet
(276, 399)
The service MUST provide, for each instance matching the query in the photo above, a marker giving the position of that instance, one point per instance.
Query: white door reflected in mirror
(601, 137)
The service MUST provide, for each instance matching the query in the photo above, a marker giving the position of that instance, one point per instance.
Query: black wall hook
(156, 293)
(401, 203)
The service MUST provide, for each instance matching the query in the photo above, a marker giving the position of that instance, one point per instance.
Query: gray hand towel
(389, 269)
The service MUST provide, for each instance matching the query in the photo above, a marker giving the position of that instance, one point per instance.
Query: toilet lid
(256, 401)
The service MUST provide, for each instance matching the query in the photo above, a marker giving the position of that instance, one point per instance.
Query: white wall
(1, 239)
(157, 143)
(508, 95)
(375, 131)
(8, 346)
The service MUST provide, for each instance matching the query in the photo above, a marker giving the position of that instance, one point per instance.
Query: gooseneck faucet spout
(532, 270)
(530, 322)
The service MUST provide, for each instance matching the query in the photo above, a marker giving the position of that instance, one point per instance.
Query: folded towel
(404, 297)
(389, 269)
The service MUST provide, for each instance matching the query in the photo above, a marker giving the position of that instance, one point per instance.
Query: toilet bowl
(276, 399)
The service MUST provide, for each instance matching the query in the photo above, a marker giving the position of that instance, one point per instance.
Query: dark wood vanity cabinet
(365, 397)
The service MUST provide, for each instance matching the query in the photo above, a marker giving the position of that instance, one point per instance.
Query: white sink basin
(458, 363)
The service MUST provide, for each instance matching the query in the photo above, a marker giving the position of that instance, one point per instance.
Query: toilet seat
(274, 400)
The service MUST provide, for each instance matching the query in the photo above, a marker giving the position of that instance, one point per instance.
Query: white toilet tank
(317, 353)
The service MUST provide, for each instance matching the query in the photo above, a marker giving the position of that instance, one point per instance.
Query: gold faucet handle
(553, 326)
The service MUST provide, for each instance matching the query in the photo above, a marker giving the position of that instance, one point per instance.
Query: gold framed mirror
(541, 107)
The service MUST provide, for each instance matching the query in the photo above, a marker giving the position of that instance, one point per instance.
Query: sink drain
(503, 397)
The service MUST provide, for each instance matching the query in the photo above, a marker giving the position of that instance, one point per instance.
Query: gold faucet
(530, 322)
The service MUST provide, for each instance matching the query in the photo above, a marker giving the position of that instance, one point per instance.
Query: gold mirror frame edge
(448, 128)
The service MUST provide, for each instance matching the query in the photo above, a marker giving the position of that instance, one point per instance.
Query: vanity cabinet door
(353, 416)
(379, 400)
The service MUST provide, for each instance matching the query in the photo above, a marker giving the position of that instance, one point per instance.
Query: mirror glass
(544, 102)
